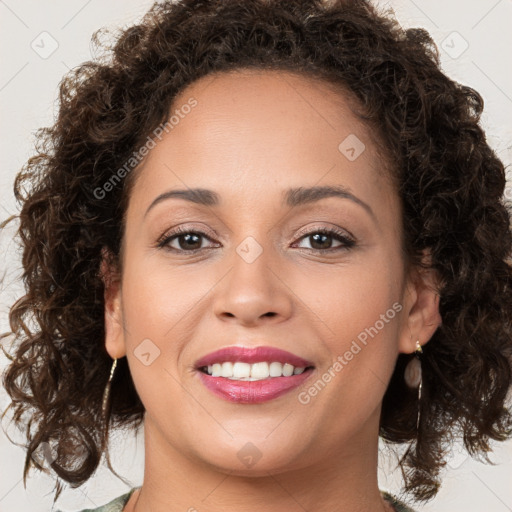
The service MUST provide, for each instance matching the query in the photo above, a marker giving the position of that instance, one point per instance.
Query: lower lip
(252, 392)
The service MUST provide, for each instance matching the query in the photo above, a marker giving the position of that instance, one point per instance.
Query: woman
(270, 232)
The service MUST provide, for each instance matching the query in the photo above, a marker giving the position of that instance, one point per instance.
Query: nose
(254, 292)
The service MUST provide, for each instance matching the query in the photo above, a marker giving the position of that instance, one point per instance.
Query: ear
(114, 332)
(421, 306)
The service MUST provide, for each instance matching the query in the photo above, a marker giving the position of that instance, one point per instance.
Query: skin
(252, 135)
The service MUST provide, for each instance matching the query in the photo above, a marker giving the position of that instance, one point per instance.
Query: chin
(247, 460)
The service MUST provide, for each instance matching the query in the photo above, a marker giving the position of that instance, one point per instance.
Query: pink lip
(252, 355)
(252, 392)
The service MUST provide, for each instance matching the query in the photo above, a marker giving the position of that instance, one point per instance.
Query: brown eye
(322, 240)
(184, 240)
(189, 241)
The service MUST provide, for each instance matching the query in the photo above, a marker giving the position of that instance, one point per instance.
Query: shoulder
(116, 505)
(399, 506)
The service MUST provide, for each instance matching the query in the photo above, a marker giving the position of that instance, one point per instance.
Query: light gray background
(28, 92)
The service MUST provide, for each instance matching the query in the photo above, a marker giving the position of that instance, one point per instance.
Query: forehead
(269, 103)
(252, 132)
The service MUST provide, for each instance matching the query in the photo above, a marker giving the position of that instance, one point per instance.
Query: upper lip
(252, 355)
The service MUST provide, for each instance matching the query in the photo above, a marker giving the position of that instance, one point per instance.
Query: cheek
(160, 309)
(358, 308)
(158, 304)
(353, 296)
(158, 298)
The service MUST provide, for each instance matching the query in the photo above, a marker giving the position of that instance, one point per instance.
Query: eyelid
(336, 229)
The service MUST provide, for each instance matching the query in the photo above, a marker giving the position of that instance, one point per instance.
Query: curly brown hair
(450, 182)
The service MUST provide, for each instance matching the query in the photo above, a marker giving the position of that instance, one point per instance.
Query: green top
(119, 503)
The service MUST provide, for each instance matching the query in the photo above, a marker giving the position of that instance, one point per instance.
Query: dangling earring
(412, 376)
(106, 393)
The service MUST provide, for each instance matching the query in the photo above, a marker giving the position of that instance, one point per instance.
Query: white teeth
(276, 369)
(240, 370)
(227, 370)
(216, 370)
(251, 372)
(260, 371)
(287, 370)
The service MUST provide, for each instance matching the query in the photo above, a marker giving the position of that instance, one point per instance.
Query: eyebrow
(292, 197)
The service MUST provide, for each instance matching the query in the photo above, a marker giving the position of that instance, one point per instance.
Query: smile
(252, 372)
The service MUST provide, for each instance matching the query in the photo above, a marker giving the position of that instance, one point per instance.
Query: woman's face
(255, 270)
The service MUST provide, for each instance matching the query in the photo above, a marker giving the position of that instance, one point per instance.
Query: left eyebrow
(298, 196)
(291, 197)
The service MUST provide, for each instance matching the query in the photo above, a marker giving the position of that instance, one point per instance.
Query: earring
(106, 393)
(412, 376)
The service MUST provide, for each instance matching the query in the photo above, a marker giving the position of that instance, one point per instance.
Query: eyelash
(163, 242)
